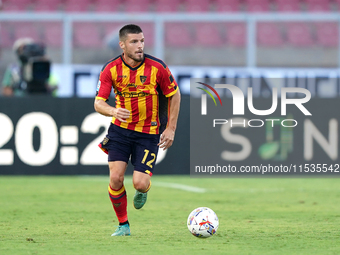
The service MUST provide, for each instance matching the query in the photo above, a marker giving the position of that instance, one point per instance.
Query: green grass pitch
(73, 215)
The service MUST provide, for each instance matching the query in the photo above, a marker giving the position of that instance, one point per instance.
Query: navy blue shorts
(121, 144)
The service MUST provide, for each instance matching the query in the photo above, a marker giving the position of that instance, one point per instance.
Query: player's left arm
(167, 137)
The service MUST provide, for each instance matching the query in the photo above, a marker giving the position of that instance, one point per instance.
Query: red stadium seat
(208, 35)
(77, 6)
(286, 1)
(197, 5)
(53, 34)
(84, 2)
(6, 36)
(18, 2)
(327, 34)
(178, 35)
(42, 5)
(288, 5)
(257, 5)
(26, 29)
(269, 34)
(107, 2)
(167, 5)
(318, 5)
(299, 34)
(236, 34)
(227, 5)
(107, 5)
(16, 6)
(319, 1)
(87, 35)
(137, 6)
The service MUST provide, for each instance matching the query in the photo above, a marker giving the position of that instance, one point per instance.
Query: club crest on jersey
(143, 78)
(105, 141)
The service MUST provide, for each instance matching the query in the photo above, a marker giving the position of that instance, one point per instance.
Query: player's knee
(116, 180)
(141, 184)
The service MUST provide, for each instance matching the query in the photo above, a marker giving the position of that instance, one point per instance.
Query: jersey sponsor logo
(132, 94)
(153, 123)
(131, 85)
(98, 85)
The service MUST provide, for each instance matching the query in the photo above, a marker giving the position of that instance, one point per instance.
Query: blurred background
(227, 33)
(296, 41)
(282, 32)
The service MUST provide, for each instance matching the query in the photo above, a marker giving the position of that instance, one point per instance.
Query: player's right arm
(107, 110)
(104, 88)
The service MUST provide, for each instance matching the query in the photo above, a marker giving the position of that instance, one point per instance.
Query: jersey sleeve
(105, 84)
(167, 83)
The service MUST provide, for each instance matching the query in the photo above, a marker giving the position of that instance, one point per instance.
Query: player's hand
(121, 114)
(167, 138)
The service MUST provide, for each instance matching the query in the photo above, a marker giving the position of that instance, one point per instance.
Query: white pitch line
(179, 186)
(154, 183)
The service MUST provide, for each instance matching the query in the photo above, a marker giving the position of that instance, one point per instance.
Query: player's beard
(136, 58)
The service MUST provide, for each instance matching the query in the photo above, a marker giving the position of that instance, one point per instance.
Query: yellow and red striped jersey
(144, 90)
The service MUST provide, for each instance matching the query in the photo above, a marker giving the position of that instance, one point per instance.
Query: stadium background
(258, 43)
(293, 40)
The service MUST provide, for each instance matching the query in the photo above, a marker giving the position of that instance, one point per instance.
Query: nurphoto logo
(239, 98)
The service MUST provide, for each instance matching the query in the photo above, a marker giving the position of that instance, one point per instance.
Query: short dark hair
(129, 29)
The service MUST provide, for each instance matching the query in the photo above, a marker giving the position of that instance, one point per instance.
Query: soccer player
(143, 120)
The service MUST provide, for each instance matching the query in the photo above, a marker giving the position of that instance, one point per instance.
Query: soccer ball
(202, 222)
